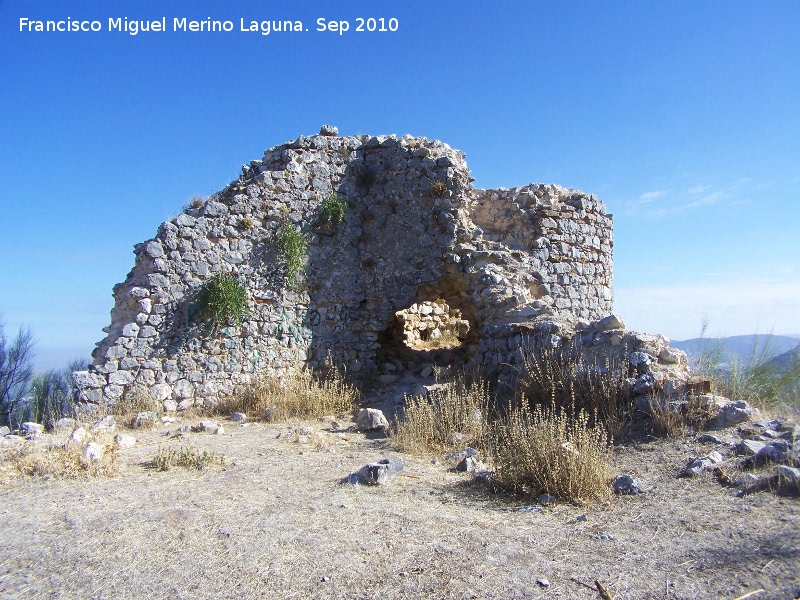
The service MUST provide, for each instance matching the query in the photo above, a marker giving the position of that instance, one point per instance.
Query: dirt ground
(275, 521)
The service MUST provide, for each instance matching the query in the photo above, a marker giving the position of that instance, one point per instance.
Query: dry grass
(564, 378)
(300, 395)
(274, 522)
(61, 461)
(545, 450)
(429, 424)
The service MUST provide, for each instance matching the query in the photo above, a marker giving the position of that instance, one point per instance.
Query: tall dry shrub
(548, 450)
(566, 379)
(429, 424)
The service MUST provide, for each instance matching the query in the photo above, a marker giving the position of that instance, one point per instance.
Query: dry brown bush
(565, 378)
(429, 424)
(294, 396)
(546, 450)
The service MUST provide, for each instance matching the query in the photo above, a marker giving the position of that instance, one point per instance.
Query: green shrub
(167, 458)
(332, 210)
(222, 299)
(291, 246)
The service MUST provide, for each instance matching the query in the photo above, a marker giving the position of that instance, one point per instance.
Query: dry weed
(61, 461)
(545, 450)
(565, 378)
(294, 396)
(673, 418)
(167, 458)
(429, 424)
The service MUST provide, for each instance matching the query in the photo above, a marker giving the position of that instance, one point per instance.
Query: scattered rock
(63, 423)
(459, 455)
(750, 447)
(545, 499)
(206, 426)
(381, 472)
(238, 417)
(219, 430)
(710, 438)
(530, 508)
(170, 406)
(4, 431)
(185, 404)
(470, 464)
(79, 434)
(124, 441)
(31, 430)
(371, 419)
(746, 480)
(695, 465)
(543, 582)
(329, 130)
(626, 485)
(145, 419)
(105, 425)
(305, 430)
(93, 452)
(732, 414)
(777, 451)
(787, 475)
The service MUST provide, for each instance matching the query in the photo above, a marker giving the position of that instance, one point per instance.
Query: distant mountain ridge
(741, 348)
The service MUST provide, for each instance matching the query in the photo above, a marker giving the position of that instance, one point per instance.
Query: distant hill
(741, 347)
(788, 362)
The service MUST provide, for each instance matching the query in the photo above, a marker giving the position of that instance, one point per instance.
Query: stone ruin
(503, 266)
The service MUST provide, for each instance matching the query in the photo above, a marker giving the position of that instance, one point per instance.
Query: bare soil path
(274, 521)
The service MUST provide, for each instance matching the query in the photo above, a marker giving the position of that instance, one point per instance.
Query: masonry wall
(414, 230)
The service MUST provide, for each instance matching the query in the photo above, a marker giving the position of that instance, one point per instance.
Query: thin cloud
(695, 198)
(648, 197)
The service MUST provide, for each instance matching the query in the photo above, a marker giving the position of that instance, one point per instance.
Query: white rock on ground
(371, 419)
(124, 441)
(93, 452)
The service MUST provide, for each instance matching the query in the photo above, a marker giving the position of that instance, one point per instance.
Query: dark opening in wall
(431, 325)
(428, 334)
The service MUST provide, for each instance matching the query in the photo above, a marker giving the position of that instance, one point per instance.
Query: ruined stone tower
(413, 231)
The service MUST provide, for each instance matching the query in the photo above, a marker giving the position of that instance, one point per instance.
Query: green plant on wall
(332, 210)
(291, 246)
(222, 299)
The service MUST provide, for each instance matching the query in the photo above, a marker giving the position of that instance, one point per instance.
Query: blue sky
(682, 116)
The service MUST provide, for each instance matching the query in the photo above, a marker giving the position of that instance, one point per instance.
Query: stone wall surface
(414, 230)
